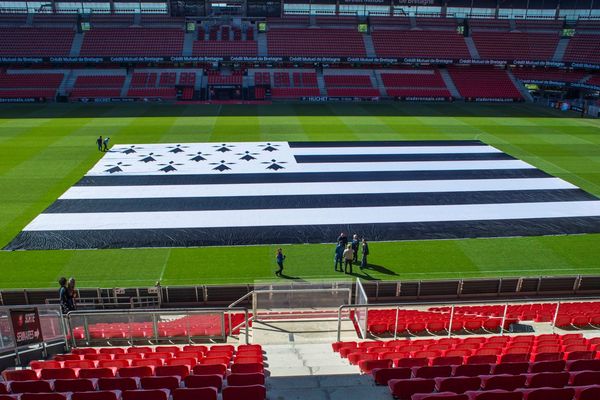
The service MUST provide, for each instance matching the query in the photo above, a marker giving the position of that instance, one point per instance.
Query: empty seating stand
(39, 42)
(132, 42)
(484, 84)
(315, 42)
(420, 44)
(178, 372)
(515, 45)
(417, 84)
(583, 48)
(344, 85)
(94, 86)
(29, 85)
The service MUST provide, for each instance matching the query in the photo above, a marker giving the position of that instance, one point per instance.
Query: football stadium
(300, 200)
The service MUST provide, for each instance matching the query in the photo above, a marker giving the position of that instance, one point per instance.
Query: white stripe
(311, 188)
(315, 216)
(310, 151)
(193, 168)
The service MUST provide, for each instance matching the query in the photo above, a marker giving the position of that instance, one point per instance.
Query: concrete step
(522, 89)
(76, 45)
(188, 43)
(449, 83)
(261, 41)
(559, 52)
(369, 46)
(472, 48)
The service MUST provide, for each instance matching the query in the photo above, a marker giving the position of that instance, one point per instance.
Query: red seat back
(30, 387)
(20, 375)
(200, 381)
(134, 372)
(554, 394)
(246, 368)
(256, 378)
(74, 385)
(172, 370)
(43, 396)
(207, 393)
(252, 392)
(63, 373)
(156, 394)
(220, 369)
(101, 395)
(117, 384)
(159, 382)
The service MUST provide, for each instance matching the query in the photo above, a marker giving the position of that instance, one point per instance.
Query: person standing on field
(105, 143)
(348, 258)
(365, 253)
(338, 256)
(279, 257)
(355, 245)
(99, 142)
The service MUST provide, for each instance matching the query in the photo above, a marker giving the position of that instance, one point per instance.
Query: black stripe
(47, 240)
(315, 201)
(388, 143)
(350, 176)
(360, 158)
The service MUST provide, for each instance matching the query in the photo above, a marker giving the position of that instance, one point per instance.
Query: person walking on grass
(105, 143)
(99, 142)
(279, 257)
(348, 258)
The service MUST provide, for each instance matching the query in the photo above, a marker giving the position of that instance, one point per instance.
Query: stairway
(450, 83)
(76, 46)
(522, 89)
(188, 43)
(137, 19)
(126, 84)
(472, 48)
(559, 53)
(513, 24)
(261, 41)
(378, 83)
(315, 372)
(67, 83)
(321, 83)
(369, 47)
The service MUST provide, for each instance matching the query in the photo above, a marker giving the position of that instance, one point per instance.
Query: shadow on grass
(391, 109)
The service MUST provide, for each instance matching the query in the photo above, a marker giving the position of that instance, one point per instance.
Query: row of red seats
(347, 80)
(423, 389)
(252, 392)
(294, 92)
(582, 372)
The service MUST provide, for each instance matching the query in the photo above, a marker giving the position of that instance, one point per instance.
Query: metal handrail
(557, 301)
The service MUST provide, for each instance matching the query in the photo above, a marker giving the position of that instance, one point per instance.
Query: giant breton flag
(198, 194)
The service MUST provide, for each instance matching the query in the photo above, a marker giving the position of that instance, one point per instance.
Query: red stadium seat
(584, 378)
(458, 384)
(494, 395)
(79, 364)
(159, 382)
(219, 369)
(207, 393)
(246, 368)
(134, 372)
(440, 396)
(383, 375)
(511, 368)
(366, 366)
(547, 366)
(472, 370)
(246, 379)
(405, 388)
(412, 362)
(588, 393)
(583, 365)
(145, 395)
(74, 385)
(547, 393)
(121, 384)
(43, 396)
(63, 373)
(30, 387)
(548, 380)
(503, 382)
(90, 373)
(19, 375)
(433, 372)
(172, 370)
(252, 392)
(100, 395)
(200, 381)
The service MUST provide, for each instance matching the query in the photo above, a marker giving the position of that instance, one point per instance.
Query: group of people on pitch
(346, 253)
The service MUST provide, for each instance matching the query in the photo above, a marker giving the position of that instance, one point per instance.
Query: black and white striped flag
(196, 194)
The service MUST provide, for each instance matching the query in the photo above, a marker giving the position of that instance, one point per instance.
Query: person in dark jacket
(365, 253)
(343, 239)
(63, 296)
(338, 256)
(99, 142)
(279, 257)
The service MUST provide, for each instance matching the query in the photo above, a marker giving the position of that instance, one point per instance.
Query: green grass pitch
(44, 149)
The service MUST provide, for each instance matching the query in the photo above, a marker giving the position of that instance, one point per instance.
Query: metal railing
(449, 331)
(91, 303)
(80, 322)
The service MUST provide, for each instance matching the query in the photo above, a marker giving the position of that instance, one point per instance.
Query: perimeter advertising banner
(26, 326)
